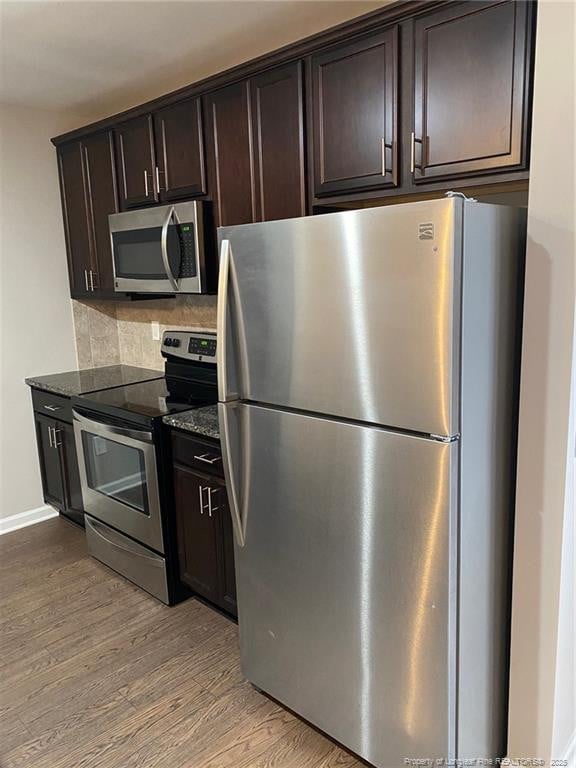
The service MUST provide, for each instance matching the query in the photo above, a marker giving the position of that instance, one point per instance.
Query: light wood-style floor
(94, 672)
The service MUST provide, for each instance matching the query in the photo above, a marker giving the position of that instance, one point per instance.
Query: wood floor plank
(82, 726)
(12, 731)
(95, 673)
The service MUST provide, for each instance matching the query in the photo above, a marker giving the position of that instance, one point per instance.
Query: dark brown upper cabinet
(278, 130)
(471, 89)
(354, 98)
(100, 181)
(180, 151)
(136, 162)
(88, 190)
(229, 150)
(76, 223)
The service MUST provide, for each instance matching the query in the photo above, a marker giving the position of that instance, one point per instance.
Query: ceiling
(98, 57)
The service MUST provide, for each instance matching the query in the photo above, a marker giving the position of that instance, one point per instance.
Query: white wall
(542, 718)
(36, 331)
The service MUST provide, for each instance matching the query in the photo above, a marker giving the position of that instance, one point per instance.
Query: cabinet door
(49, 454)
(136, 162)
(230, 154)
(354, 115)
(228, 575)
(75, 213)
(180, 150)
(278, 130)
(198, 533)
(70, 473)
(102, 200)
(470, 91)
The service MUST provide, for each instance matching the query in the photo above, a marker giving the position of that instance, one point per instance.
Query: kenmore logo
(426, 231)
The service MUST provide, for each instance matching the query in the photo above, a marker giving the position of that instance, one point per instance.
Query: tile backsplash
(108, 333)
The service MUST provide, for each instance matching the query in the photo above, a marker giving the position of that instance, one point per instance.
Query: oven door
(158, 250)
(119, 478)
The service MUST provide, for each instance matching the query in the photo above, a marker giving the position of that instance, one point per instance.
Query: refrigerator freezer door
(345, 581)
(350, 314)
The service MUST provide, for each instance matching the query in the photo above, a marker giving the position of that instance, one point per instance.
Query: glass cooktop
(152, 399)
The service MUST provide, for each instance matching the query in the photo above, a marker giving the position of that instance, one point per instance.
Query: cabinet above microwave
(164, 249)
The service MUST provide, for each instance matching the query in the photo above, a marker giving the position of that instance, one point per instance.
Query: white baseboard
(22, 519)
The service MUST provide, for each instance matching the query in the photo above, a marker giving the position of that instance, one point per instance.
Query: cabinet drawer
(198, 454)
(57, 406)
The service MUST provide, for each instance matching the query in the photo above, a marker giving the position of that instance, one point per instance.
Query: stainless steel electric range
(124, 462)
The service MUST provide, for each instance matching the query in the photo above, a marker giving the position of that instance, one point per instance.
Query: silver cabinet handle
(50, 437)
(92, 286)
(392, 169)
(211, 492)
(145, 183)
(158, 179)
(200, 490)
(413, 142)
(206, 460)
(53, 407)
(237, 521)
(54, 433)
(164, 249)
(86, 279)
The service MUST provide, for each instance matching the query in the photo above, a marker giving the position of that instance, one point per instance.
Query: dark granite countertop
(92, 379)
(202, 421)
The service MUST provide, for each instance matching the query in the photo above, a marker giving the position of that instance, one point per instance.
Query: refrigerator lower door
(346, 573)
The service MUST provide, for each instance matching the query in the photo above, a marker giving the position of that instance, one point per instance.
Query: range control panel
(190, 345)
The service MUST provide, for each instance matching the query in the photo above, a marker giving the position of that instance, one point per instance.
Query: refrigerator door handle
(237, 522)
(221, 320)
(228, 339)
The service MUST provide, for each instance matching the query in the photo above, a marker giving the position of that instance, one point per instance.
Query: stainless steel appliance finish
(119, 478)
(160, 249)
(349, 314)
(123, 469)
(367, 368)
(345, 588)
(125, 556)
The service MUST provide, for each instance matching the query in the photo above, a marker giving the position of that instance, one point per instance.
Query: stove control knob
(175, 342)
(167, 342)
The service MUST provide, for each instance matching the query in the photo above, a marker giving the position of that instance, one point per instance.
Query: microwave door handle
(164, 249)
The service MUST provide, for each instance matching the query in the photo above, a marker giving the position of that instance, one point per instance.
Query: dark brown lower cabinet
(205, 542)
(50, 461)
(59, 466)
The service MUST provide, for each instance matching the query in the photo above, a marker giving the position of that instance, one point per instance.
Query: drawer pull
(205, 457)
(53, 407)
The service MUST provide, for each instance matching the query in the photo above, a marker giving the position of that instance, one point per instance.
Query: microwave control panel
(188, 250)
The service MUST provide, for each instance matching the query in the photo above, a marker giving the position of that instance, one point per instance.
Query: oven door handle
(164, 248)
(133, 434)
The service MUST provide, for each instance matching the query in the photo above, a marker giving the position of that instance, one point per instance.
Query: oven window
(116, 470)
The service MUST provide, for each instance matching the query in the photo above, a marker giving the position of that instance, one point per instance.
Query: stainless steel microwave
(161, 249)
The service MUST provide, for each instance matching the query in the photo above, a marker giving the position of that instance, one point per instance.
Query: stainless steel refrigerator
(367, 372)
